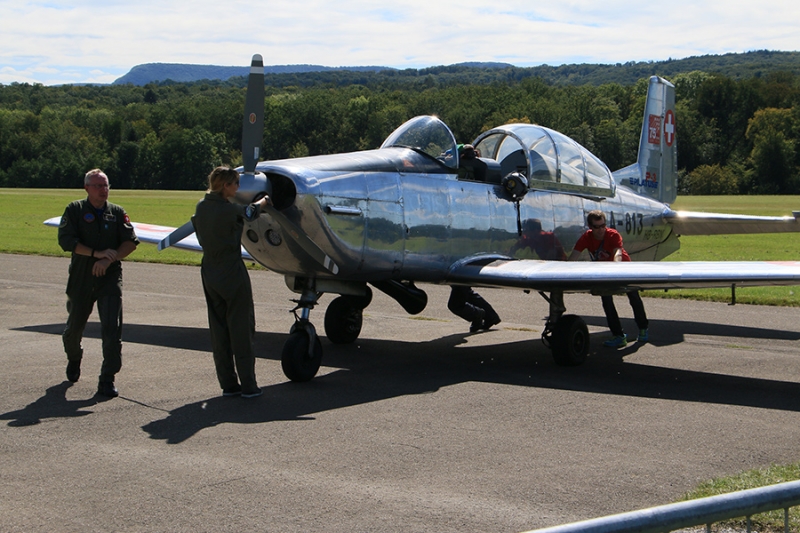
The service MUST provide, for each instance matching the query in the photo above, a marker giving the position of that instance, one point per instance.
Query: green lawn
(761, 247)
(751, 479)
(23, 210)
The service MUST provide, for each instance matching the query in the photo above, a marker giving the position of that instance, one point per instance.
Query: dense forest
(736, 134)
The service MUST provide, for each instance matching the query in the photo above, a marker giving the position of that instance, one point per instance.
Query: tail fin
(655, 173)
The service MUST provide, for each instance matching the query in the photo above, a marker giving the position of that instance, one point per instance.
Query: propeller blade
(253, 121)
(300, 237)
(252, 137)
(176, 236)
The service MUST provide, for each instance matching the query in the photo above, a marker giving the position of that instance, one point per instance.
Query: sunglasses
(598, 226)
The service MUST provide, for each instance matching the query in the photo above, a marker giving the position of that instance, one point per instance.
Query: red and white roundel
(669, 127)
(252, 118)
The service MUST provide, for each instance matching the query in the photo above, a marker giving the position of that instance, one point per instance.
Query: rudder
(655, 173)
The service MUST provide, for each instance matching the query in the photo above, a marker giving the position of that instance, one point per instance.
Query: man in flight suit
(99, 234)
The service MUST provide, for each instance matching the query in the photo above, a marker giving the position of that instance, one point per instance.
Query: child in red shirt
(605, 244)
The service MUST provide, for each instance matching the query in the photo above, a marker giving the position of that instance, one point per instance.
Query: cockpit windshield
(426, 134)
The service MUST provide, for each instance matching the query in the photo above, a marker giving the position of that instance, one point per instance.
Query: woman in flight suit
(218, 224)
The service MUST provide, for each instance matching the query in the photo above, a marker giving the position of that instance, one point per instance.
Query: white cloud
(80, 41)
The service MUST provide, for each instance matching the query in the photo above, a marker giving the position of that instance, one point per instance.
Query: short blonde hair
(220, 177)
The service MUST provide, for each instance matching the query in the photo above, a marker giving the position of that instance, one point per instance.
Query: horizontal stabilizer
(695, 223)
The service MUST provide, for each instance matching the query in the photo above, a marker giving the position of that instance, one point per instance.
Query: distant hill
(158, 72)
(737, 66)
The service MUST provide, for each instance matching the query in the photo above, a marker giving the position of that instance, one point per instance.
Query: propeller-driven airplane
(416, 211)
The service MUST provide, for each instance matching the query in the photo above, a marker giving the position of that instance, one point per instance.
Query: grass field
(22, 212)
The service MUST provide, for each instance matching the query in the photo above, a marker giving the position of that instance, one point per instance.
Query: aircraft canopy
(549, 159)
(427, 134)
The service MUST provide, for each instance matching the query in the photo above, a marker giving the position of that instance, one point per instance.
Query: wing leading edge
(609, 277)
(154, 234)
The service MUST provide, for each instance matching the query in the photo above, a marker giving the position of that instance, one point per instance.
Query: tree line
(735, 136)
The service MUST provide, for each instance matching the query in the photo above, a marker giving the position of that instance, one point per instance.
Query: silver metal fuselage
(395, 213)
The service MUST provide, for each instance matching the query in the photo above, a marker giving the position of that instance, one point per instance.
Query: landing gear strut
(566, 335)
(302, 353)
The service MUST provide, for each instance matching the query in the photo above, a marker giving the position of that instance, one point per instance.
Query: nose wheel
(302, 352)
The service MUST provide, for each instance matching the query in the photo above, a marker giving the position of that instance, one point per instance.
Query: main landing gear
(566, 335)
(302, 353)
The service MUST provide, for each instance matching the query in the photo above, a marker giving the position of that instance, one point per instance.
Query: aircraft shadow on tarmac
(371, 370)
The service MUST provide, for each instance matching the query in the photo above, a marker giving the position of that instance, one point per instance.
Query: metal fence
(703, 511)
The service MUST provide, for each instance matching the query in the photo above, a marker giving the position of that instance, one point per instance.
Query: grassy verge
(771, 521)
(22, 212)
(763, 247)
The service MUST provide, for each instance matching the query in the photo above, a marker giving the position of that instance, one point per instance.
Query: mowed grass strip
(748, 247)
(22, 212)
(751, 479)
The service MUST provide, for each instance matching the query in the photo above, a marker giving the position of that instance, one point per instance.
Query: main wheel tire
(570, 341)
(296, 362)
(343, 320)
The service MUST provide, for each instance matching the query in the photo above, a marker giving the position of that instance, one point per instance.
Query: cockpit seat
(472, 169)
(514, 162)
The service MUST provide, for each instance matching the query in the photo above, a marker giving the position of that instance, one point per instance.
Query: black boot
(107, 388)
(477, 320)
(74, 370)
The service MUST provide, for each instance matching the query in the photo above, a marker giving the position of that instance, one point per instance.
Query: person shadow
(54, 404)
(356, 381)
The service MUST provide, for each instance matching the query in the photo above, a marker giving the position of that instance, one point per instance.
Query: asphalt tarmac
(417, 426)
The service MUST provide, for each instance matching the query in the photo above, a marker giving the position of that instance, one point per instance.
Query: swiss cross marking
(669, 127)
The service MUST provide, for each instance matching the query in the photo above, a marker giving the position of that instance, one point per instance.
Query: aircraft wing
(154, 234)
(695, 223)
(610, 277)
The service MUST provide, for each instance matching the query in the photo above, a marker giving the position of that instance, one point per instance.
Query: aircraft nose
(252, 187)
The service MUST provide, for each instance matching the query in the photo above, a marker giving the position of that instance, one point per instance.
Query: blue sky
(53, 42)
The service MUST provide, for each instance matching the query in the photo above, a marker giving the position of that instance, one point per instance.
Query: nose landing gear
(302, 353)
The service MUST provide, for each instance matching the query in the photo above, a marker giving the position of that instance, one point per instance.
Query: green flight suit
(98, 229)
(226, 284)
